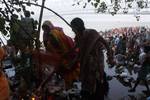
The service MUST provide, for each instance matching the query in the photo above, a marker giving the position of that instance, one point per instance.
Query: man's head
(77, 25)
(146, 49)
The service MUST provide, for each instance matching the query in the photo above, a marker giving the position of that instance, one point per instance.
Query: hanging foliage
(115, 6)
(11, 11)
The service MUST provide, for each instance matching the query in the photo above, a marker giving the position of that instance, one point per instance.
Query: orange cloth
(4, 87)
(58, 54)
(2, 53)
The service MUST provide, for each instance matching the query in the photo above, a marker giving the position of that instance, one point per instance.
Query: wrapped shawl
(2, 53)
(4, 87)
(58, 46)
(91, 60)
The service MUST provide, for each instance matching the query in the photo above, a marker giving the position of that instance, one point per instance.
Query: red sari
(58, 55)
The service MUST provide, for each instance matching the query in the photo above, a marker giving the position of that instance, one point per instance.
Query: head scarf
(48, 23)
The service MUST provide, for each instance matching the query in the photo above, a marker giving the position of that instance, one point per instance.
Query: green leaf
(113, 13)
(2, 23)
(85, 5)
(32, 12)
(4, 32)
(95, 5)
(23, 7)
(14, 16)
(129, 0)
(8, 35)
(73, 4)
(28, 4)
(102, 8)
(89, 0)
(98, 1)
(19, 10)
(129, 5)
(140, 4)
(7, 28)
(13, 10)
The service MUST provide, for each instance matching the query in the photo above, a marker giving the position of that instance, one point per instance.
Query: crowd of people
(83, 58)
(131, 47)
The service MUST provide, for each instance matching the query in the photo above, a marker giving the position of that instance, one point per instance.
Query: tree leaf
(7, 28)
(73, 4)
(102, 8)
(89, 0)
(18, 10)
(4, 32)
(129, 5)
(98, 1)
(28, 4)
(2, 23)
(32, 12)
(95, 5)
(85, 5)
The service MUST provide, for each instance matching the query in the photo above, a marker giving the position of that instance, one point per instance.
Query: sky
(90, 17)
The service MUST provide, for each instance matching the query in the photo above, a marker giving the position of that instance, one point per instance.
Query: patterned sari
(92, 73)
(4, 87)
(59, 52)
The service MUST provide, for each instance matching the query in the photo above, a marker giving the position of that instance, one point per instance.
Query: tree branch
(17, 22)
(49, 10)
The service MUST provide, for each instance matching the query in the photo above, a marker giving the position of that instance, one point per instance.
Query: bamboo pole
(48, 10)
(40, 19)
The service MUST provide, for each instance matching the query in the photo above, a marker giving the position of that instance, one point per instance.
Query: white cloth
(142, 57)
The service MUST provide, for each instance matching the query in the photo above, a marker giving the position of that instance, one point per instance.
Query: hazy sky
(92, 20)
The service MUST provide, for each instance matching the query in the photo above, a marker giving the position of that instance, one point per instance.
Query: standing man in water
(91, 57)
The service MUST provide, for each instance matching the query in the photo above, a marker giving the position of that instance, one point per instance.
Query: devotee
(92, 75)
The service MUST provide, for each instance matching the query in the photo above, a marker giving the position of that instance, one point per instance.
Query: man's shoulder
(90, 30)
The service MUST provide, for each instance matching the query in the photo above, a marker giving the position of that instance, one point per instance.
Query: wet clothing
(2, 53)
(92, 63)
(4, 87)
(58, 54)
(56, 41)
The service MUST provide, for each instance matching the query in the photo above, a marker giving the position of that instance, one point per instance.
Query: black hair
(78, 24)
(146, 49)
